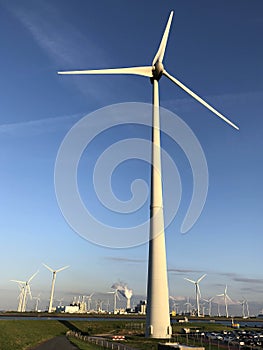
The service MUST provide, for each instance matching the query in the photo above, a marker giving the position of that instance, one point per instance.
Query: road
(58, 343)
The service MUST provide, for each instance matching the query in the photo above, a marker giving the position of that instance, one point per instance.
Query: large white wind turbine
(158, 320)
(24, 292)
(197, 292)
(54, 275)
(226, 299)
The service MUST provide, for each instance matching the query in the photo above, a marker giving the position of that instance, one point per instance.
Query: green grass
(24, 334)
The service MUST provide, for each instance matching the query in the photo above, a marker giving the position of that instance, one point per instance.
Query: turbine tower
(54, 275)
(197, 292)
(157, 319)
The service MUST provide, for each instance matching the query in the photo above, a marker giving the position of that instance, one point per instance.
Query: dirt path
(57, 343)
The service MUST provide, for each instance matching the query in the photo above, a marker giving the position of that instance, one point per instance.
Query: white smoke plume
(123, 289)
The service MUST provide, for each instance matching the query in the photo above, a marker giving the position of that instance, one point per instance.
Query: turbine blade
(63, 268)
(228, 297)
(198, 290)
(161, 50)
(17, 281)
(200, 279)
(29, 291)
(30, 279)
(49, 268)
(144, 71)
(187, 279)
(199, 99)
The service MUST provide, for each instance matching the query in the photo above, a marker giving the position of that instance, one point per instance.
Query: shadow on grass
(72, 327)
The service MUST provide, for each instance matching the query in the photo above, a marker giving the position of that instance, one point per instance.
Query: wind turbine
(157, 320)
(209, 301)
(54, 275)
(24, 291)
(37, 299)
(244, 304)
(226, 298)
(175, 304)
(197, 292)
(20, 296)
(116, 296)
(89, 300)
(189, 306)
(247, 308)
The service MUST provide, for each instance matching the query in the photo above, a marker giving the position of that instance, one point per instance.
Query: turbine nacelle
(157, 71)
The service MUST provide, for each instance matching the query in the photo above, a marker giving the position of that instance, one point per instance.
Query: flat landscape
(28, 334)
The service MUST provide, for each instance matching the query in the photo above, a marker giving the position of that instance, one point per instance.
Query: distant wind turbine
(37, 299)
(244, 304)
(189, 306)
(197, 292)
(20, 297)
(54, 275)
(226, 299)
(157, 319)
(89, 300)
(175, 304)
(24, 292)
(209, 301)
(115, 297)
(247, 308)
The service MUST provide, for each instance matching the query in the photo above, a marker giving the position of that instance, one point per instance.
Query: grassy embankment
(24, 334)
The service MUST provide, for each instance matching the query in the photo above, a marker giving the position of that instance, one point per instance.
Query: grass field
(24, 334)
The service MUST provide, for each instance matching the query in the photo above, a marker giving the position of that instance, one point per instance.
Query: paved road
(57, 343)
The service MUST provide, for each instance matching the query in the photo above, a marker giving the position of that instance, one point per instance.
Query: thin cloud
(39, 126)
(248, 280)
(227, 274)
(183, 271)
(61, 41)
(121, 259)
(56, 36)
(251, 290)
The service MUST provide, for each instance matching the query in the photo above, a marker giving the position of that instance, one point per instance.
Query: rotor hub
(157, 70)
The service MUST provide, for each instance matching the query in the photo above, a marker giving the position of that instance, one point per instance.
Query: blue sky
(215, 49)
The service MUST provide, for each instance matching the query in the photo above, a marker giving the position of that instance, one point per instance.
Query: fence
(104, 343)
